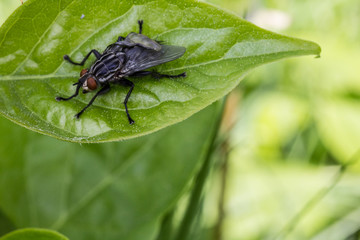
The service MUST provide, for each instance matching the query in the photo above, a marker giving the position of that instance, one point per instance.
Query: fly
(127, 57)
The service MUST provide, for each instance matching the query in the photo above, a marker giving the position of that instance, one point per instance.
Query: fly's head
(88, 81)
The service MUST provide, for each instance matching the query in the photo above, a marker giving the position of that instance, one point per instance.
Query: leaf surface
(33, 234)
(117, 190)
(221, 48)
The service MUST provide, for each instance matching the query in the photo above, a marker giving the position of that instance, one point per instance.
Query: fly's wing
(143, 41)
(139, 58)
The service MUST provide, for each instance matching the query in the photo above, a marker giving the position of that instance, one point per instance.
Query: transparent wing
(139, 58)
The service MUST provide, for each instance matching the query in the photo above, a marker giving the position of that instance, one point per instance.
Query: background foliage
(292, 141)
(294, 160)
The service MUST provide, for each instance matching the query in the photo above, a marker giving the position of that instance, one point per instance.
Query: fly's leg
(140, 22)
(103, 90)
(126, 83)
(79, 84)
(120, 39)
(157, 75)
(95, 52)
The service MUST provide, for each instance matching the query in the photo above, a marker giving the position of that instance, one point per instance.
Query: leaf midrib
(33, 77)
(53, 75)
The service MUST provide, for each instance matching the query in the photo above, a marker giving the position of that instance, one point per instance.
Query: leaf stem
(166, 228)
(218, 233)
(195, 201)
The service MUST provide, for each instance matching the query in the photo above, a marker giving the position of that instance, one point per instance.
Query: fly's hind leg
(157, 75)
(120, 38)
(140, 22)
(126, 83)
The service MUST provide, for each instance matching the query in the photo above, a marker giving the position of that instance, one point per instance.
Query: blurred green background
(293, 134)
(294, 169)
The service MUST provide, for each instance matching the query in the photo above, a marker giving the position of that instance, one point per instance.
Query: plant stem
(166, 226)
(218, 232)
(195, 201)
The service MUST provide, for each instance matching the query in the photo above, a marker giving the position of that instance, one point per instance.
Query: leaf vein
(38, 42)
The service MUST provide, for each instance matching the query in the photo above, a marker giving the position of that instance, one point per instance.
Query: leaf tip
(315, 49)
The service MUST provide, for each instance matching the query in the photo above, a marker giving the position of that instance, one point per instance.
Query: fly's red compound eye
(83, 72)
(91, 83)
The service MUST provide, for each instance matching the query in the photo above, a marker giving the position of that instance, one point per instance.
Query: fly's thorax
(107, 67)
(108, 63)
(113, 48)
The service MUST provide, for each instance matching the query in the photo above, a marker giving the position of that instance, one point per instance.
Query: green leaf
(338, 123)
(117, 190)
(221, 48)
(33, 234)
(5, 224)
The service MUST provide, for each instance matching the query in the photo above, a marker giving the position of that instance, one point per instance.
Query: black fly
(127, 57)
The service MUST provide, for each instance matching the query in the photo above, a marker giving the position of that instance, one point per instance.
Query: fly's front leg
(126, 83)
(78, 86)
(140, 22)
(103, 90)
(95, 52)
(157, 75)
